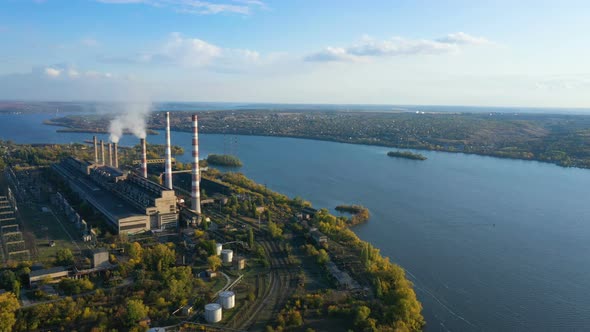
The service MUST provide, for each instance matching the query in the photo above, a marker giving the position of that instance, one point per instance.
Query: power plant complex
(128, 200)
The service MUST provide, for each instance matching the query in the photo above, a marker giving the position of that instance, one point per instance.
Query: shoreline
(327, 139)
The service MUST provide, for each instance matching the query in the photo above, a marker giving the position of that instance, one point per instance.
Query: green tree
(214, 262)
(250, 238)
(9, 281)
(64, 257)
(135, 311)
(378, 288)
(8, 306)
(159, 258)
(274, 230)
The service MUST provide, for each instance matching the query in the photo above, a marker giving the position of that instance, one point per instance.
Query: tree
(9, 281)
(135, 312)
(274, 230)
(135, 251)
(214, 262)
(8, 306)
(323, 256)
(159, 258)
(251, 238)
(64, 257)
(362, 314)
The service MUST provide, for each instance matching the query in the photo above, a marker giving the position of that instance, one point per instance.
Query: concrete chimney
(95, 149)
(143, 158)
(111, 154)
(102, 160)
(116, 148)
(196, 176)
(168, 166)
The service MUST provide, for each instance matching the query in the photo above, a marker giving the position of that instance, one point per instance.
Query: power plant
(128, 200)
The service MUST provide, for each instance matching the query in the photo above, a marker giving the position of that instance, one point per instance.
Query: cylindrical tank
(227, 255)
(227, 299)
(213, 312)
(218, 248)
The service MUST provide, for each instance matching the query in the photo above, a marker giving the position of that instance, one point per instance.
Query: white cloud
(396, 46)
(73, 73)
(191, 52)
(52, 72)
(70, 84)
(180, 50)
(461, 38)
(332, 54)
(244, 7)
(66, 72)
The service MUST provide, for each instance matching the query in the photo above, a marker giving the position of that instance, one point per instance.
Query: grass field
(41, 227)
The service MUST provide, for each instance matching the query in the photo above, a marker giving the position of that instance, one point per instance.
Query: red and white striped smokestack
(196, 176)
(168, 166)
(116, 147)
(102, 152)
(95, 149)
(111, 154)
(143, 158)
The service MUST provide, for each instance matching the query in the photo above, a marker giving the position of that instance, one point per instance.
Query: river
(491, 244)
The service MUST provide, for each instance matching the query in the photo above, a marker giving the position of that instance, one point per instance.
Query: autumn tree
(135, 311)
(135, 251)
(8, 306)
(214, 262)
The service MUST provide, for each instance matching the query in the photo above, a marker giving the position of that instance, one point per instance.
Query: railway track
(280, 287)
(280, 283)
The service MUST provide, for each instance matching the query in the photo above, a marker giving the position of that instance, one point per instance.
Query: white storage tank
(227, 255)
(227, 299)
(218, 248)
(213, 312)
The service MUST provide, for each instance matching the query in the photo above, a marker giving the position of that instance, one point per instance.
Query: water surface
(491, 244)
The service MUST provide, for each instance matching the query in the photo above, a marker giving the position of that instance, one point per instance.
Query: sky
(399, 52)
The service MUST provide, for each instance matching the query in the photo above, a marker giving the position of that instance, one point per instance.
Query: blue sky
(492, 53)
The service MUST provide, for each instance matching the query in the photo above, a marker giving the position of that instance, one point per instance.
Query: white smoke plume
(131, 117)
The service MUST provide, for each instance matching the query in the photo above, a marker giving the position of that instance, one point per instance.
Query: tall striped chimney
(111, 154)
(196, 176)
(168, 167)
(102, 161)
(116, 148)
(95, 149)
(143, 158)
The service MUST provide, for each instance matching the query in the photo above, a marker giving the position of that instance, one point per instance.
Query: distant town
(553, 138)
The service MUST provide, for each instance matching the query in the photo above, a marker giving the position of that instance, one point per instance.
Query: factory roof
(111, 171)
(108, 200)
(57, 269)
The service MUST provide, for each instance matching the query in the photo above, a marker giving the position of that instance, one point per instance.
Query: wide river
(490, 244)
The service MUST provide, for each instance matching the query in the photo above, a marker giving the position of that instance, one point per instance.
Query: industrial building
(129, 203)
(127, 199)
(52, 275)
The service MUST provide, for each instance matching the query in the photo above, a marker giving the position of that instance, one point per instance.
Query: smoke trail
(132, 117)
